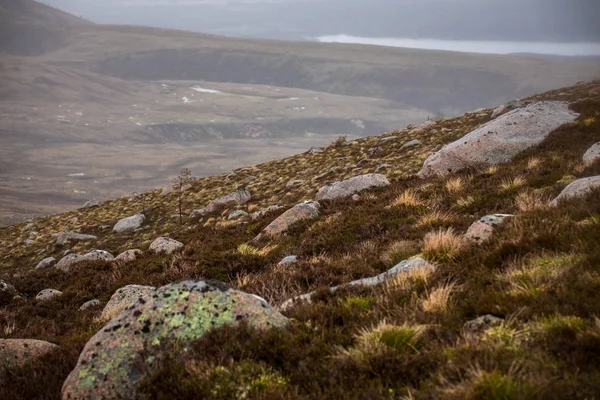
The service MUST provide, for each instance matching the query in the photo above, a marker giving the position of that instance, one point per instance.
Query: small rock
(237, 214)
(288, 261)
(91, 203)
(580, 188)
(90, 304)
(17, 352)
(351, 186)
(166, 190)
(295, 183)
(258, 214)
(29, 226)
(66, 236)
(411, 143)
(482, 230)
(97, 255)
(68, 261)
(165, 245)
(237, 198)
(300, 212)
(129, 255)
(8, 293)
(481, 324)
(130, 223)
(46, 263)
(48, 294)
(356, 197)
(315, 150)
(593, 154)
(125, 297)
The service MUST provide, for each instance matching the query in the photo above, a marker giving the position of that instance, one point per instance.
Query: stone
(129, 255)
(165, 245)
(46, 263)
(482, 230)
(351, 186)
(356, 197)
(48, 294)
(300, 212)
(237, 198)
(237, 214)
(258, 214)
(580, 188)
(593, 154)
(294, 183)
(125, 297)
(481, 324)
(17, 352)
(97, 255)
(166, 191)
(405, 266)
(8, 293)
(91, 203)
(503, 109)
(90, 304)
(67, 236)
(411, 143)
(288, 261)
(127, 349)
(68, 261)
(315, 150)
(500, 140)
(130, 223)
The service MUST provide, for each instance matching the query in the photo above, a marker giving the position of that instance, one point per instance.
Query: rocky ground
(457, 259)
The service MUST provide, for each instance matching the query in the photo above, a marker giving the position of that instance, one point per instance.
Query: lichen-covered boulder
(125, 297)
(351, 186)
(48, 294)
(482, 230)
(593, 154)
(16, 352)
(300, 212)
(500, 140)
(98, 255)
(129, 255)
(68, 236)
(130, 223)
(125, 350)
(237, 198)
(68, 261)
(46, 263)
(165, 245)
(580, 188)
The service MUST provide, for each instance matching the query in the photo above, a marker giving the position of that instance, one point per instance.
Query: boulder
(125, 297)
(500, 140)
(90, 304)
(482, 230)
(97, 255)
(405, 266)
(91, 203)
(128, 348)
(165, 245)
(17, 352)
(580, 188)
(481, 324)
(8, 293)
(68, 261)
(237, 198)
(48, 294)
(288, 261)
(46, 263)
(129, 224)
(67, 236)
(258, 214)
(237, 214)
(300, 212)
(351, 186)
(411, 143)
(294, 183)
(129, 255)
(593, 154)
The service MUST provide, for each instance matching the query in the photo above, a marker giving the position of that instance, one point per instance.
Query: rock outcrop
(351, 186)
(593, 154)
(125, 350)
(165, 245)
(130, 223)
(300, 212)
(580, 188)
(482, 230)
(17, 352)
(499, 141)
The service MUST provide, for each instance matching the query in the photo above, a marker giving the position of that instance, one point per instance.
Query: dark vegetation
(404, 339)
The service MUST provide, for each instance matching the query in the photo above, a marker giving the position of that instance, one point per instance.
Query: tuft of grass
(407, 198)
(442, 245)
(248, 250)
(438, 300)
(534, 163)
(465, 202)
(529, 200)
(454, 185)
(435, 218)
(509, 185)
(399, 251)
(360, 302)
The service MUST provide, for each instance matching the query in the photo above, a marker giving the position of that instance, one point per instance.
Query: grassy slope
(540, 272)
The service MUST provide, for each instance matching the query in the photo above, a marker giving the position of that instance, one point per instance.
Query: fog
(471, 20)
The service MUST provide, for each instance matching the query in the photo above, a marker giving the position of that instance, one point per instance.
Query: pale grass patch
(465, 202)
(405, 280)
(534, 163)
(9, 328)
(531, 200)
(442, 245)
(407, 198)
(248, 250)
(491, 170)
(439, 299)
(366, 249)
(399, 251)
(274, 285)
(322, 257)
(369, 197)
(508, 185)
(435, 217)
(455, 185)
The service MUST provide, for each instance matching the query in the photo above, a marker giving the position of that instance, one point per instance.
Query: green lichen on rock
(127, 348)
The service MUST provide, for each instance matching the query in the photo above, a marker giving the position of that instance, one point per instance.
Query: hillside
(509, 311)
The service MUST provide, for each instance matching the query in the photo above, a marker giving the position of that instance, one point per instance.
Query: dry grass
(531, 200)
(407, 198)
(465, 202)
(399, 251)
(435, 218)
(439, 299)
(248, 250)
(509, 185)
(534, 163)
(455, 185)
(442, 245)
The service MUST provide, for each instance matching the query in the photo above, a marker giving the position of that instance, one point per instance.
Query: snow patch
(204, 90)
(77, 174)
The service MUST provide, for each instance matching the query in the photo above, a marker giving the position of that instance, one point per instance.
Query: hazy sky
(526, 20)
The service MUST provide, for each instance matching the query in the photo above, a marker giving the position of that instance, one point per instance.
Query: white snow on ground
(204, 90)
(77, 174)
(186, 100)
